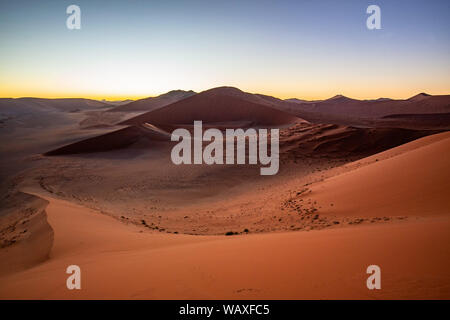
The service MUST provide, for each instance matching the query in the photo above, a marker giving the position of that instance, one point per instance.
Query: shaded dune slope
(337, 141)
(111, 141)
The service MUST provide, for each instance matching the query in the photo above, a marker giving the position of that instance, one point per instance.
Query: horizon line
(118, 98)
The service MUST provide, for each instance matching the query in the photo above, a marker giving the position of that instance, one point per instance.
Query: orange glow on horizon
(100, 97)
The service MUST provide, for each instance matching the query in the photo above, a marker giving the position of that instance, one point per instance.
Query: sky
(311, 49)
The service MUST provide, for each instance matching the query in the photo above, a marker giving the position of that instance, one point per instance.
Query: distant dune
(129, 109)
(230, 107)
(373, 113)
(39, 104)
(220, 107)
(419, 97)
(223, 104)
(153, 103)
(38, 112)
(340, 105)
(117, 102)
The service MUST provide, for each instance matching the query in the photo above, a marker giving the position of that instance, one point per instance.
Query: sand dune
(137, 180)
(27, 238)
(31, 126)
(120, 261)
(219, 108)
(153, 103)
(419, 97)
(335, 141)
(134, 177)
(418, 120)
(141, 227)
(37, 113)
(65, 105)
(414, 183)
(112, 141)
(374, 113)
(130, 109)
(420, 104)
(216, 105)
(346, 111)
(228, 107)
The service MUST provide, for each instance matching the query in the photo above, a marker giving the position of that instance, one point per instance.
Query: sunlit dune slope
(413, 183)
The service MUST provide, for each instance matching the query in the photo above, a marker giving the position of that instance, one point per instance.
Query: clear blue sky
(305, 49)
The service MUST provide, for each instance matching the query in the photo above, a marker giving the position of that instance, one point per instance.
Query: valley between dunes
(390, 209)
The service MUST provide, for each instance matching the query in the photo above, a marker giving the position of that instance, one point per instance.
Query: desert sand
(91, 183)
(123, 261)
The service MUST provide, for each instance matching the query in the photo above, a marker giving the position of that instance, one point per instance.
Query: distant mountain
(153, 103)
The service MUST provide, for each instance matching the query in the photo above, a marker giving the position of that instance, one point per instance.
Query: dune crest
(28, 238)
(413, 183)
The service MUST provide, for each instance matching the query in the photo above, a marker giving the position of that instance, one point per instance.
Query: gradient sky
(305, 49)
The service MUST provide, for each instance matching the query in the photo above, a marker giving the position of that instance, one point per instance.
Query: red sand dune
(415, 183)
(117, 261)
(28, 238)
(216, 105)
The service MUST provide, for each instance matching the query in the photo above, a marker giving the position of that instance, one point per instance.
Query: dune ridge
(153, 103)
(28, 238)
(411, 184)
